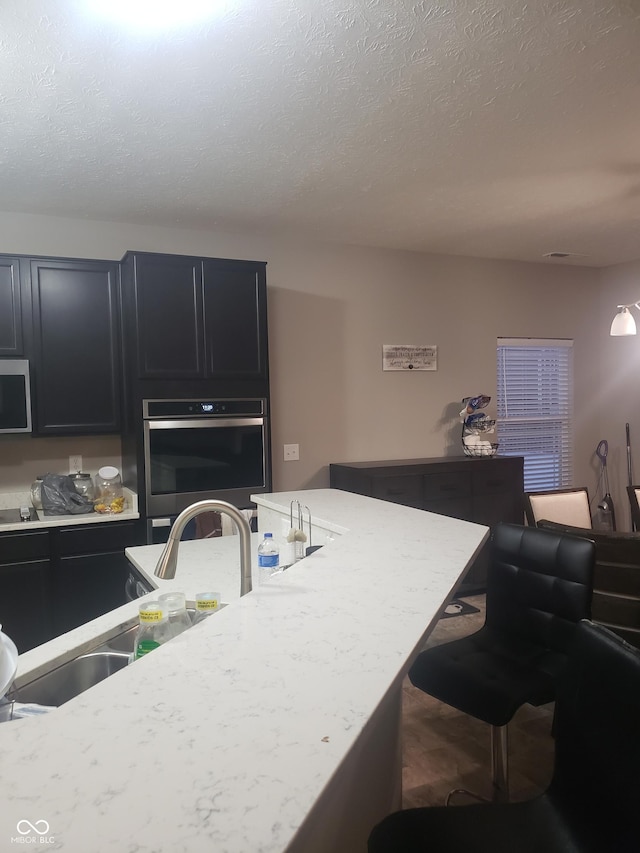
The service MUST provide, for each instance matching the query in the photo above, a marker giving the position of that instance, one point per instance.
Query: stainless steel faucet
(168, 561)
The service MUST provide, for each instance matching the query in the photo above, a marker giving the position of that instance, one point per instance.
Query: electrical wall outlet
(75, 464)
(291, 452)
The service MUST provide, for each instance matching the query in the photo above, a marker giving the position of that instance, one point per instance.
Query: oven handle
(204, 423)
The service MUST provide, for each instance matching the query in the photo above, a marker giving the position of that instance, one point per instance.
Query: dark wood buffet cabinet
(485, 490)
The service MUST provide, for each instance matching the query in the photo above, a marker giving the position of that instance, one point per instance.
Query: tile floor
(445, 749)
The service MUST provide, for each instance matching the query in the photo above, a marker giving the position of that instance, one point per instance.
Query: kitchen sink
(125, 641)
(72, 678)
(61, 684)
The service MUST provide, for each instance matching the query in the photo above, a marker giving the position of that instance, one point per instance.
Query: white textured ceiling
(469, 127)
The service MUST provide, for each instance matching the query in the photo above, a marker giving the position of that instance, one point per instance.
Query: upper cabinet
(169, 333)
(198, 318)
(76, 346)
(10, 308)
(235, 319)
(184, 320)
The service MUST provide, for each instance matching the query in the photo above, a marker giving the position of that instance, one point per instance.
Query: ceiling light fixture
(623, 322)
(156, 15)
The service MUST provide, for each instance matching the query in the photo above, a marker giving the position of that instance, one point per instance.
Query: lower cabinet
(53, 580)
(87, 586)
(90, 571)
(25, 593)
(485, 490)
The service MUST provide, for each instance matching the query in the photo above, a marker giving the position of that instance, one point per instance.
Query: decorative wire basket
(480, 450)
(480, 424)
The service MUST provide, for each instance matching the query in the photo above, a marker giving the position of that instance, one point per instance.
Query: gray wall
(331, 308)
(615, 388)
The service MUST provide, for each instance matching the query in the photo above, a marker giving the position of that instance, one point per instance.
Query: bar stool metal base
(499, 770)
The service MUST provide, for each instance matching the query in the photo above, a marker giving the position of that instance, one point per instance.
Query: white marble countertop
(204, 565)
(15, 500)
(223, 739)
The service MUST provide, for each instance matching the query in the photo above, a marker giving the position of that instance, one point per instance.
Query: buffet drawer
(403, 489)
(488, 480)
(454, 507)
(447, 485)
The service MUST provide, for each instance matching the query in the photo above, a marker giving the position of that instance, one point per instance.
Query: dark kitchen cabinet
(168, 310)
(10, 308)
(25, 591)
(90, 571)
(52, 580)
(197, 318)
(483, 490)
(235, 314)
(76, 346)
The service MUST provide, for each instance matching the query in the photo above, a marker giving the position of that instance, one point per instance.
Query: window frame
(543, 379)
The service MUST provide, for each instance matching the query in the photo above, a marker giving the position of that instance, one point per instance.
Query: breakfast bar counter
(272, 726)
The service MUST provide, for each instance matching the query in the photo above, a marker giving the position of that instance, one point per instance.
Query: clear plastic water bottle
(176, 604)
(268, 557)
(153, 630)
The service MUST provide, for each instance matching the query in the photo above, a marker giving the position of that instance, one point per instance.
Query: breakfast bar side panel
(365, 788)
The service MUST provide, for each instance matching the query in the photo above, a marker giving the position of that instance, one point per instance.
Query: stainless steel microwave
(15, 396)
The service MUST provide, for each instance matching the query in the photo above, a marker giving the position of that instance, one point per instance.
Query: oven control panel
(201, 408)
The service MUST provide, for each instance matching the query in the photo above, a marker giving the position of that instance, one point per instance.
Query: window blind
(535, 408)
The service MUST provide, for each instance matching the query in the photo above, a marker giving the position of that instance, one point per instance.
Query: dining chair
(564, 506)
(591, 803)
(539, 587)
(634, 497)
(616, 578)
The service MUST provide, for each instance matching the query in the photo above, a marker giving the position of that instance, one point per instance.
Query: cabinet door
(91, 572)
(77, 346)
(498, 489)
(169, 317)
(235, 319)
(25, 612)
(87, 586)
(10, 308)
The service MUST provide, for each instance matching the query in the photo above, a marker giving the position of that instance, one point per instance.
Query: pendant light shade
(623, 322)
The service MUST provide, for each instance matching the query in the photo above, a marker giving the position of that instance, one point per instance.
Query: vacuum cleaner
(606, 516)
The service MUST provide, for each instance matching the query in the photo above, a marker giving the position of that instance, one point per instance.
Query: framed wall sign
(409, 357)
